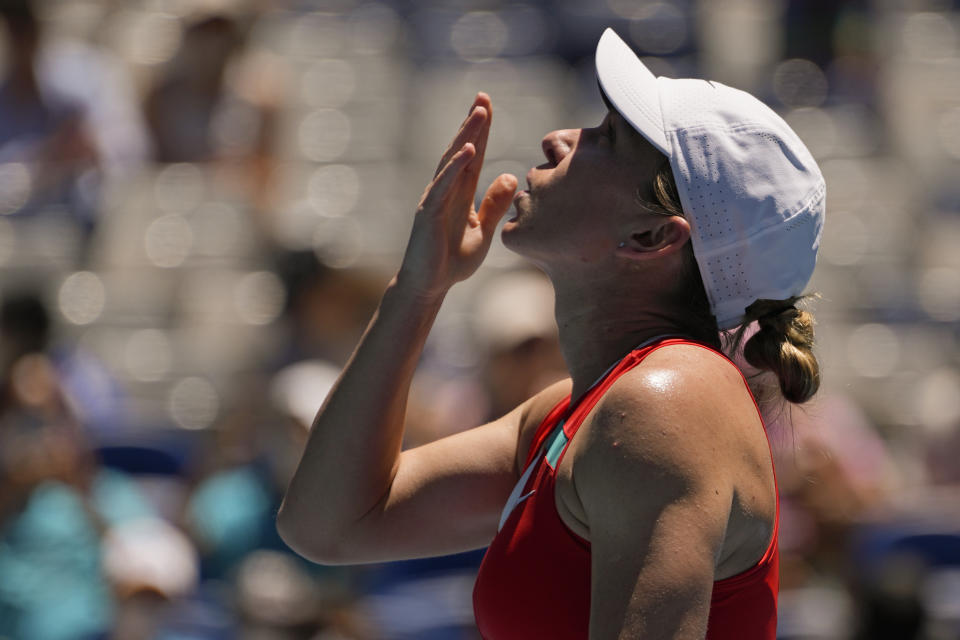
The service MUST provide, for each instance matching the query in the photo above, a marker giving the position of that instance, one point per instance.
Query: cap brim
(631, 88)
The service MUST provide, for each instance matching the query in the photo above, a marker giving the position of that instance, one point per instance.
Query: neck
(601, 322)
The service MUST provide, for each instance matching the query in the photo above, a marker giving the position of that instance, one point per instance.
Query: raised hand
(450, 238)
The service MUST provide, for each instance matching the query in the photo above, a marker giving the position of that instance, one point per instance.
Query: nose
(557, 144)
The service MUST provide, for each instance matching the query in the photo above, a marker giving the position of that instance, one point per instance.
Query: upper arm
(447, 495)
(657, 501)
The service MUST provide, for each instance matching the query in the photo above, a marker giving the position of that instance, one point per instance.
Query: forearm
(354, 446)
(353, 452)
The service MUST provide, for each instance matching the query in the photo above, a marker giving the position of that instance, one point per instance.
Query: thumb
(495, 203)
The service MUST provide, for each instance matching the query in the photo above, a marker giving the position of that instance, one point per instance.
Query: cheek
(604, 184)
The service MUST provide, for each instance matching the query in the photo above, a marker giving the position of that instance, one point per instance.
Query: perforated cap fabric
(753, 194)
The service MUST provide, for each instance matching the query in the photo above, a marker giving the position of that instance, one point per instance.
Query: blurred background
(201, 202)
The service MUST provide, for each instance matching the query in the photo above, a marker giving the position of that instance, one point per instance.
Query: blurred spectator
(216, 101)
(246, 570)
(78, 542)
(327, 309)
(66, 117)
(833, 468)
(230, 509)
(182, 106)
(51, 583)
(809, 27)
(41, 128)
(92, 394)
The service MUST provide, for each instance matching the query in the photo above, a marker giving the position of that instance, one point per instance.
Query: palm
(450, 236)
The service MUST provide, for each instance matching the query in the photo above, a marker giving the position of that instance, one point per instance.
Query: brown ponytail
(783, 345)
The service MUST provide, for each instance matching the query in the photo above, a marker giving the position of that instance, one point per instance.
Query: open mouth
(517, 197)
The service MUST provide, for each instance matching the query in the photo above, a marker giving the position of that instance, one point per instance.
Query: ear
(660, 236)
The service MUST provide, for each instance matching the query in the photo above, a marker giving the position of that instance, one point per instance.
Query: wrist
(405, 287)
(409, 307)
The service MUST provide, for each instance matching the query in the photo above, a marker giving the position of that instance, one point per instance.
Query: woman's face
(582, 202)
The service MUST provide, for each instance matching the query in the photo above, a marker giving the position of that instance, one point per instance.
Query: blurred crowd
(202, 200)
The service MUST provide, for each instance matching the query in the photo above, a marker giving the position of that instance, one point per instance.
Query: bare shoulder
(679, 408)
(685, 368)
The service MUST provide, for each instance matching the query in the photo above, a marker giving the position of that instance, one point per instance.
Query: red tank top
(534, 581)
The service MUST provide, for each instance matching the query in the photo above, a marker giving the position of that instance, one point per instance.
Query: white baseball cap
(750, 189)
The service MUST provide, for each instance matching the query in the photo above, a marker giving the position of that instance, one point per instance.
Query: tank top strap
(631, 360)
(545, 428)
(558, 416)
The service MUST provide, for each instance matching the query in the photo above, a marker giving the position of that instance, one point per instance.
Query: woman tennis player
(637, 499)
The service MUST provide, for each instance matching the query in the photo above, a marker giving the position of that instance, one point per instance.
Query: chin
(523, 231)
(509, 233)
(514, 229)
(520, 238)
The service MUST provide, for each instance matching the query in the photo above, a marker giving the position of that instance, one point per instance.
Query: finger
(496, 202)
(480, 140)
(480, 100)
(484, 132)
(466, 133)
(468, 130)
(444, 180)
